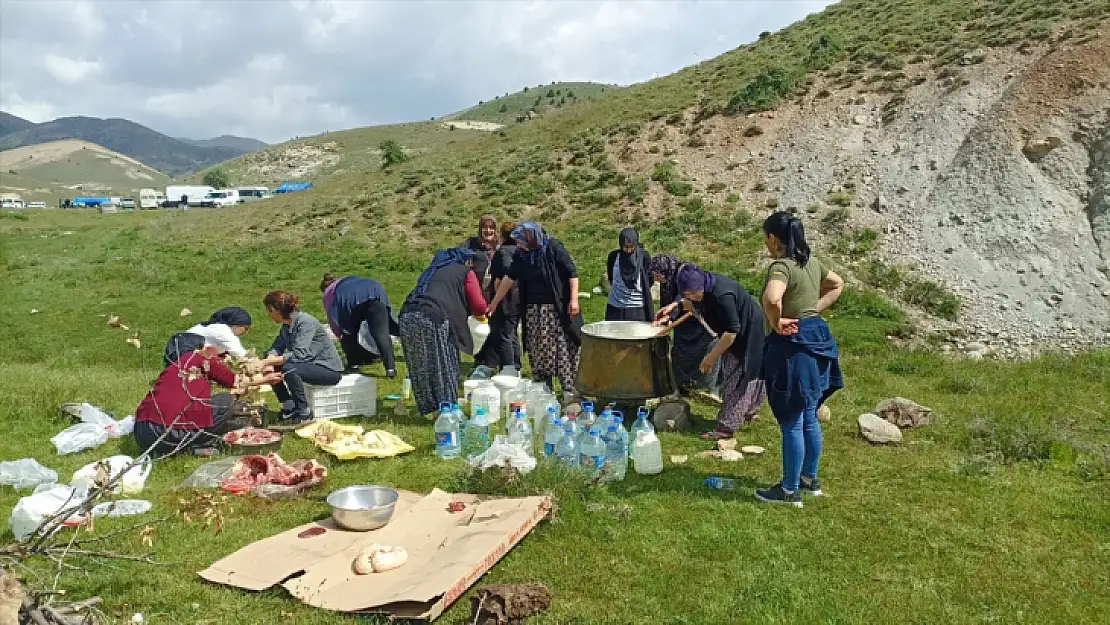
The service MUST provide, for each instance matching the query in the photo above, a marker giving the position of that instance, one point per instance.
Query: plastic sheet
(46, 501)
(503, 453)
(26, 473)
(79, 437)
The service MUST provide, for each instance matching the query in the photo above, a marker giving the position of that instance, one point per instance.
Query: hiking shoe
(391, 373)
(810, 487)
(776, 494)
(481, 372)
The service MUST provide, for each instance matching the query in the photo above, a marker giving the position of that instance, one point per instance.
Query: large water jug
(477, 434)
(647, 453)
(505, 384)
(479, 332)
(547, 402)
(461, 422)
(518, 398)
(447, 433)
(520, 433)
(591, 452)
(587, 420)
(488, 398)
(552, 434)
(567, 449)
(642, 423)
(535, 394)
(616, 454)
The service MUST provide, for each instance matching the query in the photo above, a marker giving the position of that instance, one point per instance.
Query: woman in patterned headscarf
(548, 281)
(692, 340)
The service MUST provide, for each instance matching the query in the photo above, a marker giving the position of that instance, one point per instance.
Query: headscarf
(230, 316)
(181, 344)
(666, 266)
(534, 239)
(692, 279)
(443, 258)
(630, 264)
(489, 247)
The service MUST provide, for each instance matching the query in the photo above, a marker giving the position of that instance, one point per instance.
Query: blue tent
(90, 201)
(290, 187)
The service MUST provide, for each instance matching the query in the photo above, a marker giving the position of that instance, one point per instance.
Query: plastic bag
(366, 340)
(47, 500)
(210, 474)
(503, 453)
(132, 481)
(123, 507)
(80, 437)
(115, 429)
(26, 473)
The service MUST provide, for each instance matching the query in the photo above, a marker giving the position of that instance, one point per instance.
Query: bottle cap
(480, 411)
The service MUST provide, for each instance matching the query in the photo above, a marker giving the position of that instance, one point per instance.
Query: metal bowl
(362, 508)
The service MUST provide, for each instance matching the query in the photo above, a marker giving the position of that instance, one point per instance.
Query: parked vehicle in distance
(151, 198)
(11, 200)
(250, 194)
(221, 198)
(36, 204)
(127, 203)
(194, 195)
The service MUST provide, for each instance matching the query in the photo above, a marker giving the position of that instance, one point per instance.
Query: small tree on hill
(504, 108)
(217, 178)
(392, 153)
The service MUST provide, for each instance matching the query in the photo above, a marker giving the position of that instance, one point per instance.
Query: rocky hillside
(163, 153)
(949, 155)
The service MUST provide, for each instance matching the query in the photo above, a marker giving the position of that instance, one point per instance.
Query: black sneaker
(391, 373)
(776, 494)
(810, 487)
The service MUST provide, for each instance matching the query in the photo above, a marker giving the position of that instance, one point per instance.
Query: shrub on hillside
(392, 153)
(217, 178)
(824, 51)
(764, 92)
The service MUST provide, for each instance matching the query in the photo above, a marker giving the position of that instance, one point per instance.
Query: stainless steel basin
(362, 508)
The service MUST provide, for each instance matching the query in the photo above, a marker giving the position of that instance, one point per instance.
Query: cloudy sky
(273, 69)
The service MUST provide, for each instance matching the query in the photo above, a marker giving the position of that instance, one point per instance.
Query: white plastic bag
(366, 340)
(80, 437)
(131, 483)
(503, 453)
(26, 473)
(123, 507)
(47, 500)
(115, 429)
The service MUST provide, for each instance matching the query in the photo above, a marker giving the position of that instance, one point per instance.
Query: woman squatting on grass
(801, 363)
(304, 352)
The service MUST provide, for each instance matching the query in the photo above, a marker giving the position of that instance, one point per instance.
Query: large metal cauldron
(624, 360)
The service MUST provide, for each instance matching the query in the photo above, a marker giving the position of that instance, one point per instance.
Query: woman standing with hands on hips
(548, 280)
(732, 313)
(801, 365)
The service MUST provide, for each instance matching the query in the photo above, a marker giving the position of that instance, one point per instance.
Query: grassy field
(513, 108)
(979, 517)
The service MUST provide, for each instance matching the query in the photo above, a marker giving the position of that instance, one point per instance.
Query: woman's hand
(574, 309)
(664, 313)
(707, 364)
(786, 327)
(274, 377)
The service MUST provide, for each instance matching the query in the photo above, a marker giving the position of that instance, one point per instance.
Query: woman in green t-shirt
(801, 365)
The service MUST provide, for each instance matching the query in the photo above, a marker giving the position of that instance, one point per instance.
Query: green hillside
(534, 102)
(85, 169)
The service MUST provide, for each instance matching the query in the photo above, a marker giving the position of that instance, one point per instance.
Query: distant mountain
(154, 149)
(245, 144)
(10, 123)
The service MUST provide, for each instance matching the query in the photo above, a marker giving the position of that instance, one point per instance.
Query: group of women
(745, 350)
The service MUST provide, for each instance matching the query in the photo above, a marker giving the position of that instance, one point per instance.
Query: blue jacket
(353, 291)
(801, 370)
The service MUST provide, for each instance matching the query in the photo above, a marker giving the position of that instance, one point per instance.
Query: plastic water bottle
(591, 453)
(571, 423)
(406, 389)
(616, 453)
(588, 419)
(720, 483)
(618, 420)
(641, 423)
(477, 434)
(461, 420)
(520, 433)
(447, 434)
(553, 433)
(567, 449)
(647, 453)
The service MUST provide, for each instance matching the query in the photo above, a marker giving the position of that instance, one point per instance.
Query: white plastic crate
(354, 395)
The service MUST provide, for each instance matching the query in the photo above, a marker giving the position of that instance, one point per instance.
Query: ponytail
(791, 234)
(327, 281)
(282, 301)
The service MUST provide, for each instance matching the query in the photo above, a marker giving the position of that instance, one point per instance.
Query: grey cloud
(274, 69)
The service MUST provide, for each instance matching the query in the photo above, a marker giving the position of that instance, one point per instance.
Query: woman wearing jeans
(801, 365)
(304, 353)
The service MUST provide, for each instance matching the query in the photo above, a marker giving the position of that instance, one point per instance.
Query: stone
(824, 415)
(679, 459)
(879, 204)
(878, 430)
(1037, 149)
(903, 412)
(752, 450)
(730, 455)
(860, 120)
(672, 415)
(726, 444)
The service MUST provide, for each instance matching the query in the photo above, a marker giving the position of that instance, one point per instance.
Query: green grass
(542, 100)
(974, 518)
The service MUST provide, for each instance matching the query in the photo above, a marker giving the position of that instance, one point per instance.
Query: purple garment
(329, 303)
(692, 279)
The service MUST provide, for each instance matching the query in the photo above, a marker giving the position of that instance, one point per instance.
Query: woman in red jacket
(180, 412)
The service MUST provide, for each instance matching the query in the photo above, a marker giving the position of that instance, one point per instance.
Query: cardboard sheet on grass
(347, 442)
(448, 552)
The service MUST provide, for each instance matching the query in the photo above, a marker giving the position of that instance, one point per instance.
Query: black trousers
(612, 313)
(177, 440)
(502, 347)
(376, 316)
(297, 374)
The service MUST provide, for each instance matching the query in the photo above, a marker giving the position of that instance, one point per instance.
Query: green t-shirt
(803, 286)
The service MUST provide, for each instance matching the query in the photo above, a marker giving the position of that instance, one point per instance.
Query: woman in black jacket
(628, 276)
(548, 281)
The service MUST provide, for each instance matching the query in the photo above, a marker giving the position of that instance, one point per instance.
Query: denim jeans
(297, 374)
(801, 447)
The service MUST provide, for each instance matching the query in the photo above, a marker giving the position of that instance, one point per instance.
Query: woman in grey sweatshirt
(304, 353)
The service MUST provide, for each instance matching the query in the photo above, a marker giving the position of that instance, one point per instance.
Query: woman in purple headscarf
(735, 316)
(548, 281)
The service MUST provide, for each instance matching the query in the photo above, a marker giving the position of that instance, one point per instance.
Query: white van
(151, 198)
(250, 194)
(223, 197)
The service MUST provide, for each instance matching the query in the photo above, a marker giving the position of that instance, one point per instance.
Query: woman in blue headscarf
(734, 316)
(434, 329)
(548, 281)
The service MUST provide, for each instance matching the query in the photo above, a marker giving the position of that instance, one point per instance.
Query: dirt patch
(468, 125)
(502, 604)
(296, 161)
(58, 150)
